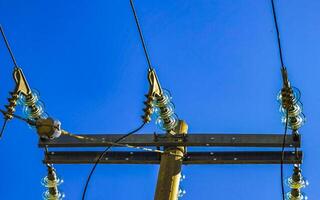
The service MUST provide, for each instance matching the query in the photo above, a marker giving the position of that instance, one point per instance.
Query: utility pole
(169, 150)
(170, 168)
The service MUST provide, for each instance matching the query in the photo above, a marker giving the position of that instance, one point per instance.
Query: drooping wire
(80, 137)
(102, 155)
(8, 47)
(287, 117)
(141, 35)
(115, 143)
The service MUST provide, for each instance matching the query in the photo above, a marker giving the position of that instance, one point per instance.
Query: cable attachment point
(291, 107)
(154, 92)
(21, 88)
(288, 97)
(159, 102)
(48, 128)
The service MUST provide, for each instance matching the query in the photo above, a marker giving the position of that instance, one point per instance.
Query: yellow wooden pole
(170, 168)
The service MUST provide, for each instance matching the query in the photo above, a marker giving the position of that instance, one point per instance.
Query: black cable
(30, 122)
(287, 117)
(103, 154)
(139, 128)
(15, 66)
(3, 127)
(15, 116)
(282, 155)
(140, 34)
(278, 33)
(8, 46)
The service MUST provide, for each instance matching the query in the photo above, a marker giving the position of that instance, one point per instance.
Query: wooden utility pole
(170, 168)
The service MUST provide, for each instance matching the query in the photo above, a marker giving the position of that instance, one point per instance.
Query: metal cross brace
(162, 140)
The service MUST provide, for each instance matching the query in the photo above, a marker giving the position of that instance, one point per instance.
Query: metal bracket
(127, 157)
(205, 140)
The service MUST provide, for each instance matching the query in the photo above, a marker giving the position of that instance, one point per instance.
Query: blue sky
(218, 58)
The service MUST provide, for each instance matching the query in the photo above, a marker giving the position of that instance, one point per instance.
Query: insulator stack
(291, 107)
(33, 108)
(166, 118)
(51, 182)
(296, 182)
(11, 107)
(148, 110)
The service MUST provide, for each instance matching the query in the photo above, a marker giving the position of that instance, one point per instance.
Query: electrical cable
(115, 143)
(15, 67)
(15, 116)
(31, 122)
(278, 33)
(140, 34)
(287, 113)
(102, 154)
(8, 47)
(80, 137)
(282, 155)
(3, 127)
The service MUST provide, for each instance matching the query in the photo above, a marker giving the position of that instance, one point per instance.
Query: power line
(278, 33)
(287, 111)
(8, 47)
(3, 127)
(140, 127)
(141, 35)
(15, 67)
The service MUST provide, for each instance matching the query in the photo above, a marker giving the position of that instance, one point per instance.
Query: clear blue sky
(218, 58)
